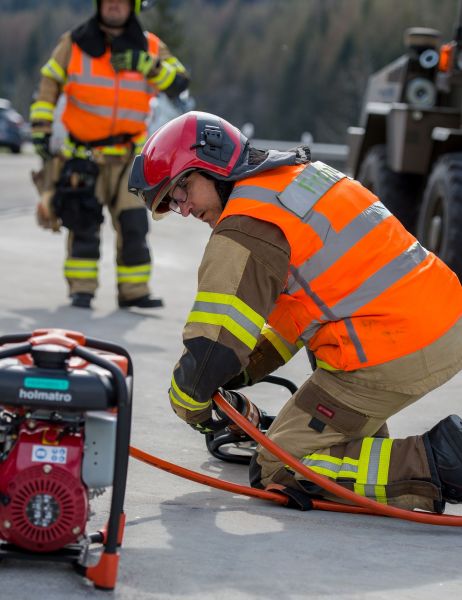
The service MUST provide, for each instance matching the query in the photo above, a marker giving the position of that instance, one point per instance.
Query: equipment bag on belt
(74, 201)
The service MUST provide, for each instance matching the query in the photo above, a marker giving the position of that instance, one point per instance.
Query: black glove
(41, 141)
(209, 423)
(134, 60)
(239, 381)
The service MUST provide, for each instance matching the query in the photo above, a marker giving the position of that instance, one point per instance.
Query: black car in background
(12, 127)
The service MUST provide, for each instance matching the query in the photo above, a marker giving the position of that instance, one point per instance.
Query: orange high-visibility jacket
(360, 289)
(103, 103)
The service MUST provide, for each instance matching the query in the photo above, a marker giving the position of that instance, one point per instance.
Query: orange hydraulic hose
(372, 506)
(228, 486)
(205, 479)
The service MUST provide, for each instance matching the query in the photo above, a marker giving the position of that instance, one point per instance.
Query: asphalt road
(184, 540)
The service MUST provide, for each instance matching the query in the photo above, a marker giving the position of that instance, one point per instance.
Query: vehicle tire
(15, 149)
(400, 192)
(439, 227)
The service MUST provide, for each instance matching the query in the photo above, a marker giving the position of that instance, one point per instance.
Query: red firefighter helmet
(193, 141)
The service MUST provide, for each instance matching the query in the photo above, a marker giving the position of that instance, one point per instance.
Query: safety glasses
(178, 195)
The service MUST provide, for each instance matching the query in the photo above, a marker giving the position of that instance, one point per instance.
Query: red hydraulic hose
(228, 486)
(371, 506)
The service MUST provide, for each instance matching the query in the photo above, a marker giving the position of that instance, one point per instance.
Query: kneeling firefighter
(109, 69)
(301, 256)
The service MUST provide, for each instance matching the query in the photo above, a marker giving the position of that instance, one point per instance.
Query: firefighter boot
(142, 302)
(445, 441)
(81, 299)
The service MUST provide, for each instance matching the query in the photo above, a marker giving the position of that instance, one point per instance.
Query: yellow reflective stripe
(139, 143)
(133, 278)
(326, 457)
(165, 77)
(373, 469)
(381, 494)
(42, 111)
(69, 149)
(54, 70)
(335, 462)
(346, 460)
(363, 465)
(277, 341)
(114, 150)
(75, 268)
(326, 366)
(174, 62)
(359, 489)
(384, 461)
(175, 400)
(383, 470)
(235, 302)
(324, 471)
(230, 312)
(224, 321)
(135, 269)
(83, 264)
(190, 403)
(136, 274)
(79, 152)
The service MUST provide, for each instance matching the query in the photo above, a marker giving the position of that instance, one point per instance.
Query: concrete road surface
(184, 540)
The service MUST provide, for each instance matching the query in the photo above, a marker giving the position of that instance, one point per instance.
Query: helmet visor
(138, 185)
(164, 202)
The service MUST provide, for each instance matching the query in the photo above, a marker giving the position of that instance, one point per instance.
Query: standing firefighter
(302, 256)
(109, 69)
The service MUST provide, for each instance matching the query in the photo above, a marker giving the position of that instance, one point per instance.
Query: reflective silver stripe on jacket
(335, 245)
(338, 244)
(107, 111)
(86, 78)
(230, 311)
(308, 187)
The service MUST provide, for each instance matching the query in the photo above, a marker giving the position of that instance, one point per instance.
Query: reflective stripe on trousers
(369, 472)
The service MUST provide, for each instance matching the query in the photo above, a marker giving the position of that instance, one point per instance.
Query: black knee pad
(134, 228)
(443, 445)
(85, 244)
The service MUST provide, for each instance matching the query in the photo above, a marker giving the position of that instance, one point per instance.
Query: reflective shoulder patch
(308, 187)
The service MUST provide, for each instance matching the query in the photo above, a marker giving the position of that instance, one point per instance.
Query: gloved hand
(204, 422)
(45, 215)
(200, 420)
(243, 406)
(41, 141)
(238, 381)
(134, 60)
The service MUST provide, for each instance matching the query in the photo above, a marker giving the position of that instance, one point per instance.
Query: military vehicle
(408, 149)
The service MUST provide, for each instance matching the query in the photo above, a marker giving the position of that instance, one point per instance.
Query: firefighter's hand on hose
(41, 141)
(208, 421)
(135, 60)
(243, 406)
(202, 420)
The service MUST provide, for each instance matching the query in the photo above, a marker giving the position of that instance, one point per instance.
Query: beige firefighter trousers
(362, 401)
(112, 192)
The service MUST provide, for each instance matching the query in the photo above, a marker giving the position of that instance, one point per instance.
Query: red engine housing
(43, 502)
